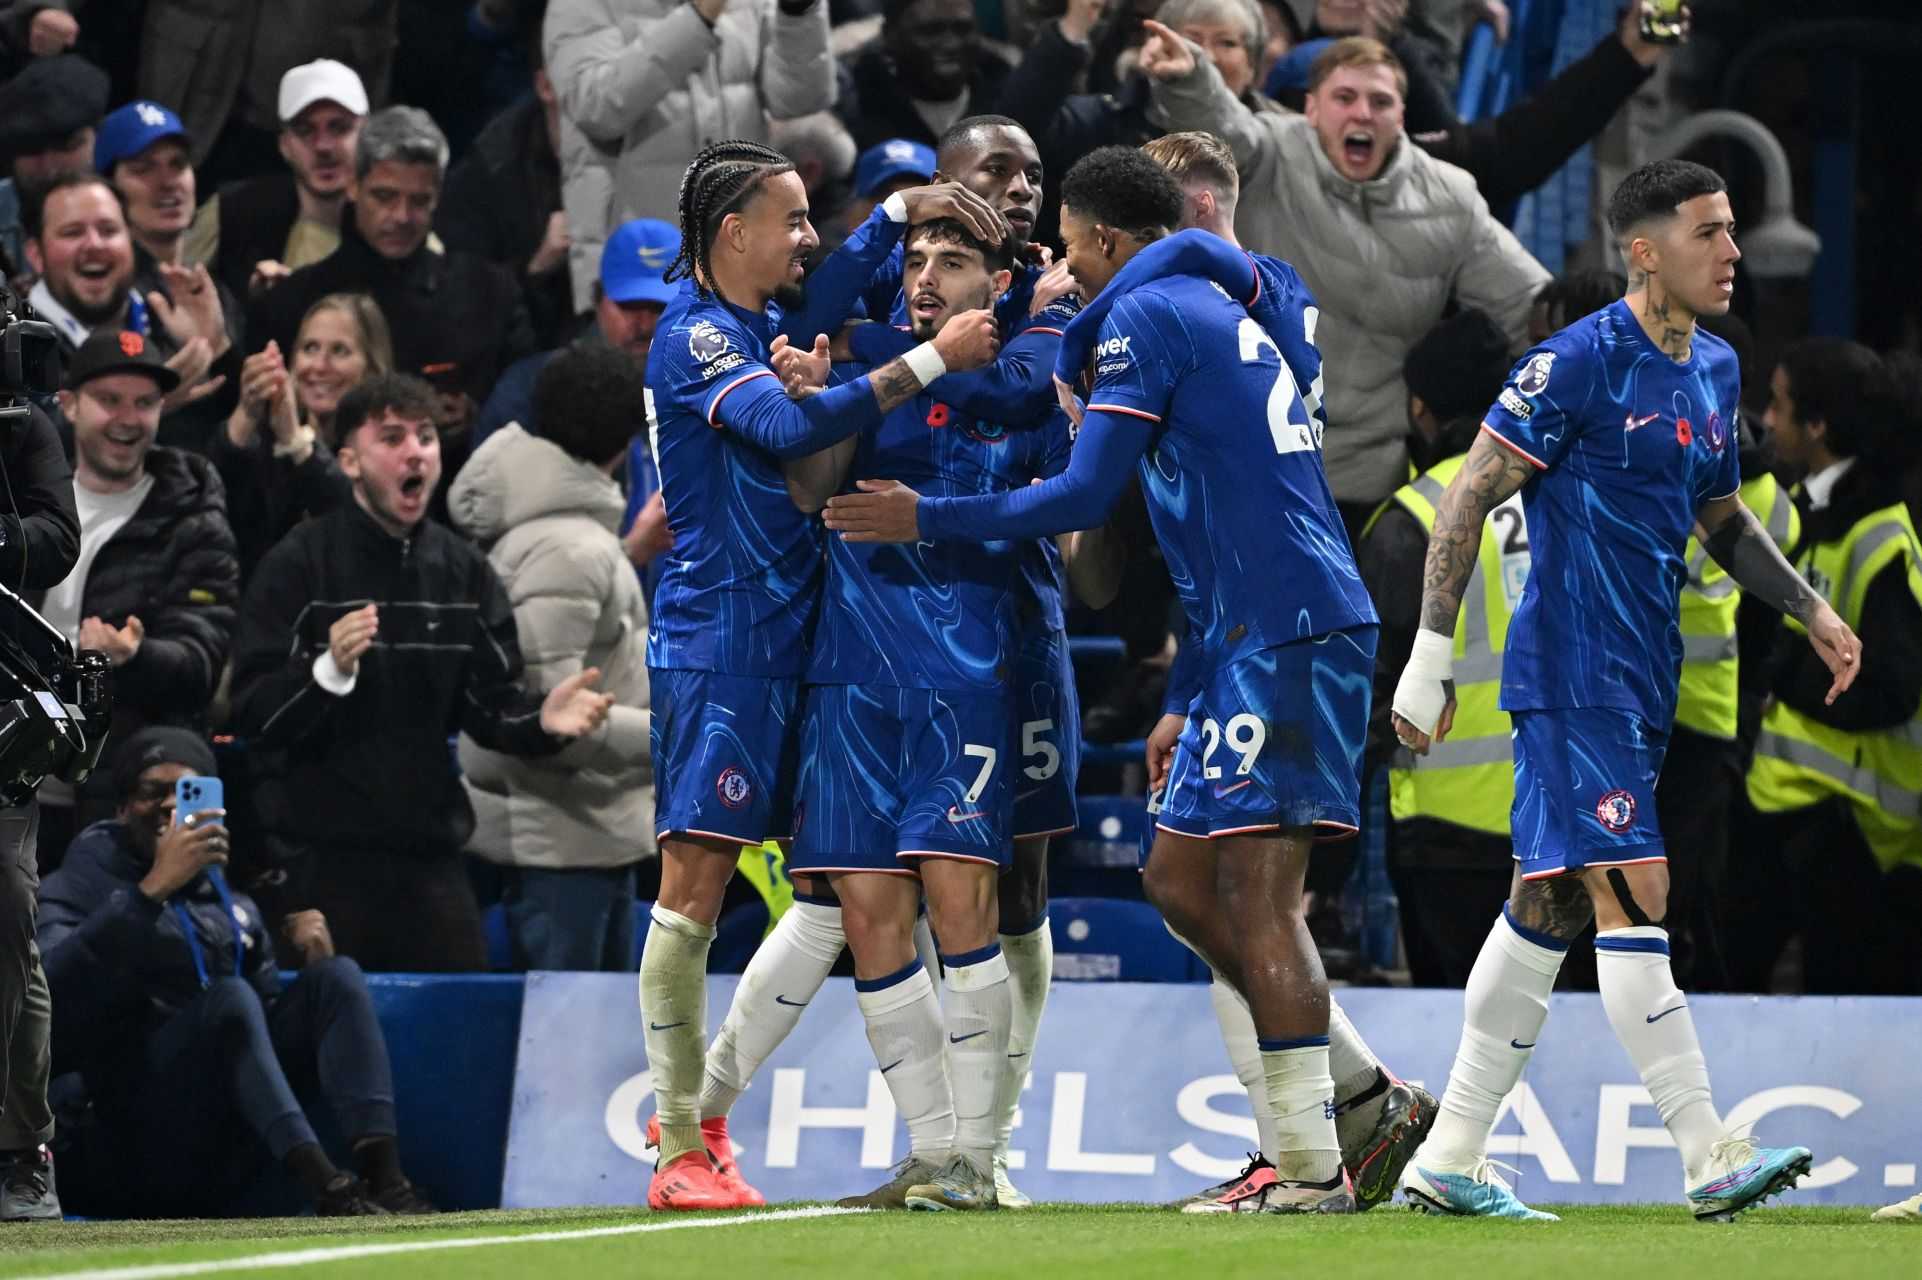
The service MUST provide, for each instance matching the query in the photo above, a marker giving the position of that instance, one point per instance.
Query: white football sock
(1302, 1095)
(1244, 1053)
(980, 1011)
(904, 1029)
(673, 991)
(925, 948)
(787, 970)
(1030, 959)
(1361, 1083)
(1651, 1019)
(1505, 1006)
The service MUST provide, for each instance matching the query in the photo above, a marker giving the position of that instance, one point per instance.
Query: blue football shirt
(1232, 472)
(1628, 444)
(936, 615)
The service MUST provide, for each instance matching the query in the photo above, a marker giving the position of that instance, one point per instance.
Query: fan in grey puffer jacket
(645, 84)
(550, 524)
(1382, 258)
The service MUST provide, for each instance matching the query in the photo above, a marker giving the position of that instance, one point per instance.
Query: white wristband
(925, 363)
(1422, 690)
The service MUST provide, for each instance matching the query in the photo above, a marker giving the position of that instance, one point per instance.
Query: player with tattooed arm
(1619, 433)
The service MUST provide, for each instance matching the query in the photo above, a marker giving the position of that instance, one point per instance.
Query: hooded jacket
(550, 522)
(1382, 258)
(645, 84)
(372, 768)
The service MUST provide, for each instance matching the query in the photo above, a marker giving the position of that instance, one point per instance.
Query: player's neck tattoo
(1670, 326)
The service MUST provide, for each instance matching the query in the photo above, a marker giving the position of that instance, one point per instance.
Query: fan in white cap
(322, 80)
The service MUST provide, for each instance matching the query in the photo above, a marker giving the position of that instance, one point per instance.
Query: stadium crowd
(364, 513)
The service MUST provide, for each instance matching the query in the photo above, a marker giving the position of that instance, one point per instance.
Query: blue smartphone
(195, 794)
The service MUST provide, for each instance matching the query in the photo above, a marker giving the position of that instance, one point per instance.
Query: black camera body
(54, 711)
(29, 354)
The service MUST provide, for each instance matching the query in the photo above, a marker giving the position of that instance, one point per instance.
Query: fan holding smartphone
(147, 941)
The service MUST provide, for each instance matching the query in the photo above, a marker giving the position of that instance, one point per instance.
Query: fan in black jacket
(368, 638)
(169, 1003)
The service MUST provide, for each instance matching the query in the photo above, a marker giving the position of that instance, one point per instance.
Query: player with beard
(736, 600)
(993, 157)
(1192, 390)
(910, 677)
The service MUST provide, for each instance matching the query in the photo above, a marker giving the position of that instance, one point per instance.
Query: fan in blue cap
(144, 150)
(885, 168)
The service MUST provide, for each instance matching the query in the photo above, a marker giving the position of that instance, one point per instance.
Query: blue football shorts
(725, 749)
(891, 775)
(1273, 740)
(1047, 736)
(1585, 790)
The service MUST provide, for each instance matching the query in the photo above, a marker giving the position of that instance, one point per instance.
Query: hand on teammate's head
(952, 200)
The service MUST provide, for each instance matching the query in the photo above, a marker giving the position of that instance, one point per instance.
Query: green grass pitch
(1065, 1242)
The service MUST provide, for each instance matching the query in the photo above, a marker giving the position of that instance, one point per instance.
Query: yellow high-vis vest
(1469, 779)
(1800, 762)
(1707, 698)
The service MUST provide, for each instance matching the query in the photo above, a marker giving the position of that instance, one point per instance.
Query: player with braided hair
(736, 601)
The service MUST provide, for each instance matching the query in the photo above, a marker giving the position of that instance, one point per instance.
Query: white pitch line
(344, 1253)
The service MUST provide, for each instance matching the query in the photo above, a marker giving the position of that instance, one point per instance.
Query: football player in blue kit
(996, 159)
(1619, 433)
(1379, 1119)
(906, 785)
(738, 593)
(1194, 391)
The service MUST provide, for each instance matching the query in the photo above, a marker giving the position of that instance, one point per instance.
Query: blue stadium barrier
(452, 1040)
(1110, 940)
(1131, 1096)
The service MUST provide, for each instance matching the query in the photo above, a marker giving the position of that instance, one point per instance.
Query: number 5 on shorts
(1033, 744)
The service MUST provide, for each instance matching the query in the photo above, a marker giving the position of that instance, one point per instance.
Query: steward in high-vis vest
(1837, 787)
(1695, 798)
(1449, 853)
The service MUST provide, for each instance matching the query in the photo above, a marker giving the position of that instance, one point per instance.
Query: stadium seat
(1108, 940)
(1101, 859)
(500, 948)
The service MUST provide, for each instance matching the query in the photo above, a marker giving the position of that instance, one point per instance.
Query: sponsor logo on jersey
(1717, 433)
(1633, 423)
(1616, 811)
(733, 787)
(705, 342)
(1512, 401)
(1112, 347)
(732, 360)
(1533, 379)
